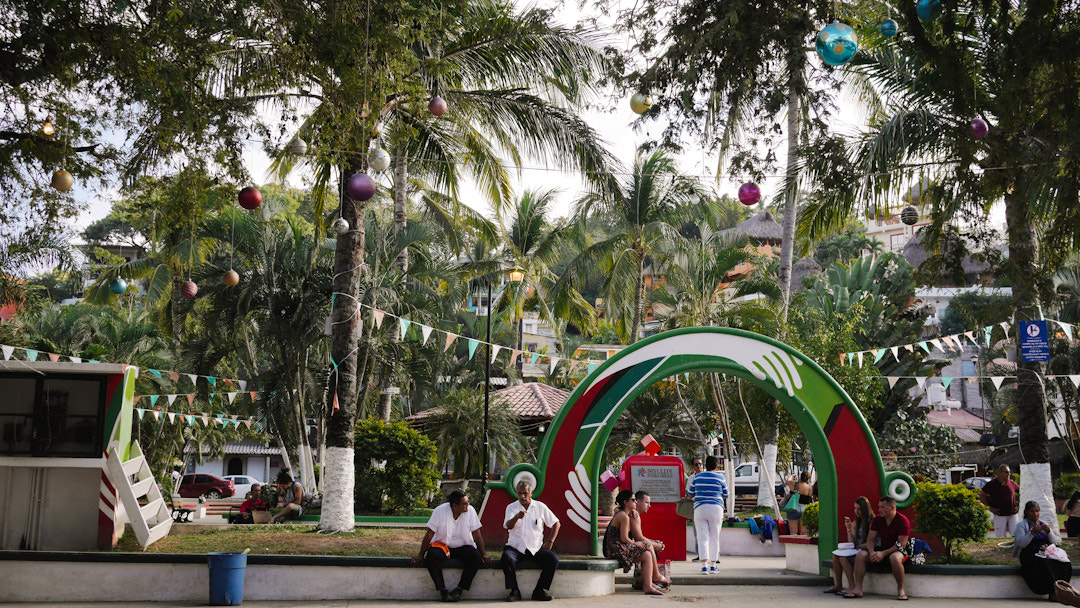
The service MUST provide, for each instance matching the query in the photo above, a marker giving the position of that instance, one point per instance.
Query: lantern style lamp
(47, 129)
(837, 43)
(889, 27)
(516, 275)
(749, 194)
(249, 197)
(640, 103)
(360, 187)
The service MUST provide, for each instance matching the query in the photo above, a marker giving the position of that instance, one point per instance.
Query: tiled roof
(528, 400)
(248, 448)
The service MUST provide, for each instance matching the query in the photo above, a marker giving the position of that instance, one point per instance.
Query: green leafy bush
(810, 519)
(395, 467)
(1065, 485)
(953, 513)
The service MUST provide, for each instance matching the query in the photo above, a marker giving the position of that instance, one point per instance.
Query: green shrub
(1065, 485)
(809, 518)
(395, 467)
(953, 513)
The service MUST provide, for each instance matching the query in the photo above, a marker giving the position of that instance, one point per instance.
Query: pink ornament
(250, 197)
(437, 106)
(360, 187)
(610, 481)
(979, 128)
(749, 194)
(189, 289)
(652, 448)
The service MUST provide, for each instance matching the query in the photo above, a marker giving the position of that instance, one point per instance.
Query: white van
(746, 479)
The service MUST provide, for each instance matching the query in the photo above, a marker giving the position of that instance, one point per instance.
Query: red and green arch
(570, 460)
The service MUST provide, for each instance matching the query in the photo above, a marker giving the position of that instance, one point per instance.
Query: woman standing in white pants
(709, 491)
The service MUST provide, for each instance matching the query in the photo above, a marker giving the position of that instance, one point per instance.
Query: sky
(615, 127)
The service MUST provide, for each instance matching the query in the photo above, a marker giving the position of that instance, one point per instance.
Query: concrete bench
(150, 577)
(960, 581)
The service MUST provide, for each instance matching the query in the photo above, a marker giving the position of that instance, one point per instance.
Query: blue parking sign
(1034, 342)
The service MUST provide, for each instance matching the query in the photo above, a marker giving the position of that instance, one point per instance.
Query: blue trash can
(226, 578)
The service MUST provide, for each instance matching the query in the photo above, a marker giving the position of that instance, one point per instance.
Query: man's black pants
(469, 556)
(548, 563)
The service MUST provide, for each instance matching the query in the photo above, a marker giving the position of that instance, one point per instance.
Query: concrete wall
(738, 541)
(189, 582)
(49, 508)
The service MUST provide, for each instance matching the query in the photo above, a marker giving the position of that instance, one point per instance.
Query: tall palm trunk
(725, 428)
(401, 262)
(339, 479)
(1035, 480)
(796, 65)
(639, 298)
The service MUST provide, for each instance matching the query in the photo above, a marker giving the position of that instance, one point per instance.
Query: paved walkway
(738, 570)
(703, 595)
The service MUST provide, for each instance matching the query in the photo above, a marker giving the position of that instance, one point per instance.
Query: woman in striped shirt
(709, 492)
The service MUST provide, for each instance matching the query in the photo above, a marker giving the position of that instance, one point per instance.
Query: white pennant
(860, 358)
(997, 380)
(971, 336)
(909, 347)
(1005, 325)
(193, 378)
(75, 359)
(425, 331)
(1066, 328)
(243, 384)
(171, 398)
(552, 361)
(1075, 380)
(892, 380)
(921, 381)
(8, 351)
(231, 397)
(172, 417)
(495, 348)
(894, 350)
(937, 344)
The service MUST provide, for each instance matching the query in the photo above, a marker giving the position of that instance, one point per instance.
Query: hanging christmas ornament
(118, 285)
(47, 129)
(979, 128)
(231, 278)
(378, 160)
(749, 194)
(640, 103)
(837, 43)
(250, 197)
(189, 289)
(297, 147)
(62, 180)
(360, 187)
(909, 215)
(928, 10)
(340, 225)
(889, 27)
(437, 106)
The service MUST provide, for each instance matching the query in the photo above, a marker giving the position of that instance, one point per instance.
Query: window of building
(52, 415)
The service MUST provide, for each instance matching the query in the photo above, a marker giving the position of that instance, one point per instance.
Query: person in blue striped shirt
(709, 491)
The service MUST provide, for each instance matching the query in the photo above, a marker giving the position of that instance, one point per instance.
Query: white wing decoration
(579, 497)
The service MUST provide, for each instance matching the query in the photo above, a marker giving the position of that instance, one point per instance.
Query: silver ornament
(341, 226)
(379, 160)
(297, 147)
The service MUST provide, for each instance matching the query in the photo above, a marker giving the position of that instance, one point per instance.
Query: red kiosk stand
(662, 478)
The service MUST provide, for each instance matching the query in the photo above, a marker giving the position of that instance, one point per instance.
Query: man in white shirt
(527, 519)
(453, 532)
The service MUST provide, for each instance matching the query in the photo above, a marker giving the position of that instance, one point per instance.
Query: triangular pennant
(54, 357)
(333, 409)
(552, 362)
(140, 412)
(937, 344)
(1075, 380)
(495, 348)
(921, 381)
(895, 350)
(212, 380)
(909, 347)
(843, 356)
(878, 354)
(1005, 325)
(194, 379)
(75, 359)
(172, 416)
(450, 337)
(403, 326)
(231, 397)
(922, 345)
(170, 398)
(135, 399)
(971, 337)
(211, 397)
(175, 377)
(860, 358)
(31, 354)
(472, 347)
(948, 342)
(592, 367)
(514, 354)
(253, 395)
(946, 380)
(986, 332)
(892, 380)
(8, 350)
(535, 358)
(155, 372)
(228, 382)
(205, 420)
(378, 315)
(1065, 327)
(153, 400)
(157, 415)
(425, 333)
(190, 398)
(93, 361)
(243, 384)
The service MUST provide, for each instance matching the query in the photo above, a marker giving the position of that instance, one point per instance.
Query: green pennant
(592, 367)
(535, 358)
(190, 419)
(946, 380)
(153, 399)
(212, 380)
(31, 354)
(472, 347)
(924, 346)
(403, 327)
(140, 412)
(155, 372)
(878, 354)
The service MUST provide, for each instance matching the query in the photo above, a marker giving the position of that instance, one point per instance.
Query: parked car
(242, 483)
(976, 483)
(746, 479)
(194, 485)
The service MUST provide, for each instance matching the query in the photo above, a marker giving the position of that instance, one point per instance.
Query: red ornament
(437, 106)
(189, 289)
(749, 194)
(250, 197)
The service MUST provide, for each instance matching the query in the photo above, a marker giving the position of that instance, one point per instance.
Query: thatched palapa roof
(759, 228)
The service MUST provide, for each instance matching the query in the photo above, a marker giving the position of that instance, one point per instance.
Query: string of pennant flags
(945, 344)
(192, 419)
(997, 380)
(211, 381)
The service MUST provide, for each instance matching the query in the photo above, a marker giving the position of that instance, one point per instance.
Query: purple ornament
(979, 128)
(437, 106)
(749, 194)
(360, 187)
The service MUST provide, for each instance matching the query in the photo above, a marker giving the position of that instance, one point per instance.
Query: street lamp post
(516, 276)
(487, 391)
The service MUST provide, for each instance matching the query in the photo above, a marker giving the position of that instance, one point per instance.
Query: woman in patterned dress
(619, 546)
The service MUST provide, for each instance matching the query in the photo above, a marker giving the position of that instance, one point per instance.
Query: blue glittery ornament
(837, 43)
(928, 10)
(889, 27)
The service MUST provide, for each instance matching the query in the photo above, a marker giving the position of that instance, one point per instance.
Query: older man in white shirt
(533, 528)
(453, 531)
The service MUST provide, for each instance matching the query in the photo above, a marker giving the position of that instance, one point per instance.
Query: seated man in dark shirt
(888, 532)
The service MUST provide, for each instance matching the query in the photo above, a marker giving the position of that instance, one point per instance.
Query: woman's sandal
(850, 596)
(833, 589)
(654, 591)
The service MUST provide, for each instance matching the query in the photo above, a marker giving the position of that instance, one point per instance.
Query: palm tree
(975, 61)
(640, 222)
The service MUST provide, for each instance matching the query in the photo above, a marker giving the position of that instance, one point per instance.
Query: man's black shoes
(515, 596)
(455, 595)
(541, 595)
(444, 594)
